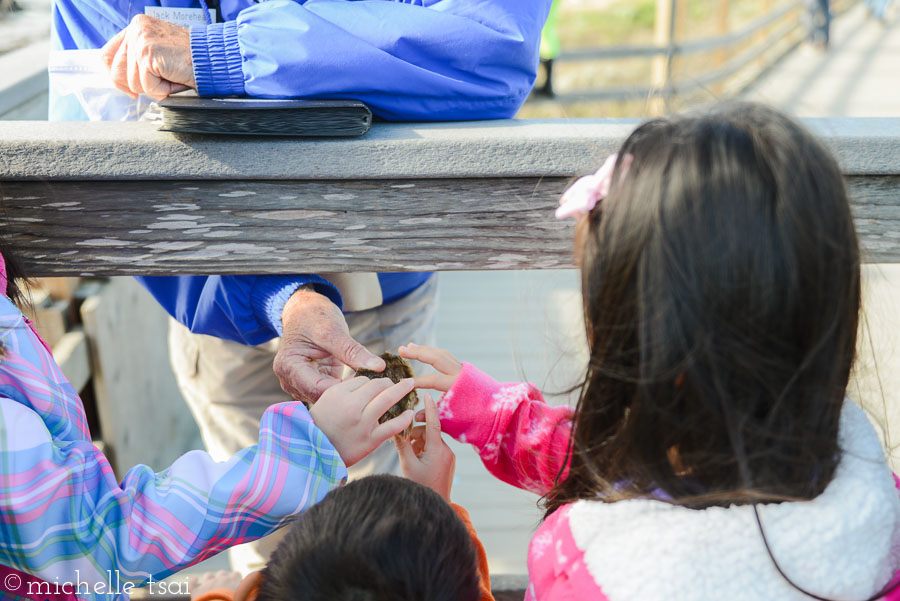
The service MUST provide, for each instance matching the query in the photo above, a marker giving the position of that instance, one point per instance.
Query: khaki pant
(228, 386)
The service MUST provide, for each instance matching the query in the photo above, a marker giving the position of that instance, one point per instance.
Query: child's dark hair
(721, 296)
(381, 538)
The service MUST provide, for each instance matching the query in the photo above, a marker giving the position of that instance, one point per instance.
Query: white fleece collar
(844, 544)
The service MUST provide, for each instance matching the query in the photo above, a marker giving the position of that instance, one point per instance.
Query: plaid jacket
(66, 519)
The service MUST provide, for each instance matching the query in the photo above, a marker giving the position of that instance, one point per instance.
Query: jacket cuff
(217, 60)
(271, 293)
(462, 408)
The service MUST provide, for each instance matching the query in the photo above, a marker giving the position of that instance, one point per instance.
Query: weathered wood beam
(124, 199)
(190, 227)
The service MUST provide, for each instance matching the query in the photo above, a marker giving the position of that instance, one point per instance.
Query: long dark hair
(721, 296)
(376, 539)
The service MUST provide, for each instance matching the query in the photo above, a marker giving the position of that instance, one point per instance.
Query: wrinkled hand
(151, 57)
(446, 364)
(348, 415)
(425, 458)
(315, 345)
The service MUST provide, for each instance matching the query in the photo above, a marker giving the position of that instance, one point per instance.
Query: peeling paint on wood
(177, 207)
(421, 220)
(172, 225)
(292, 214)
(103, 242)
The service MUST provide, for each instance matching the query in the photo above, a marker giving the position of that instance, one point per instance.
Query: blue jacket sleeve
(408, 60)
(245, 309)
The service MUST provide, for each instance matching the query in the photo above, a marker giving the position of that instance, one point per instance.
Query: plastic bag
(80, 88)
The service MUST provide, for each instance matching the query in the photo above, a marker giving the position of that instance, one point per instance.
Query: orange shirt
(484, 576)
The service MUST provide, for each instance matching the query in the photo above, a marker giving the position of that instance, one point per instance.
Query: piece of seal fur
(397, 368)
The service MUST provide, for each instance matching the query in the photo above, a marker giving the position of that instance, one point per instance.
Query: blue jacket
(413, 60)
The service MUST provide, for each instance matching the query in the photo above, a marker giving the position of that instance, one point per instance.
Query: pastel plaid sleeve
(65, 518)
(520, 438)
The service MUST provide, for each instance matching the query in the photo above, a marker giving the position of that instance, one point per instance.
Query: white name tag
(183, 17)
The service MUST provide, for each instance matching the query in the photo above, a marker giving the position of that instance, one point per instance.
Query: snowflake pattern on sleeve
(521, 439)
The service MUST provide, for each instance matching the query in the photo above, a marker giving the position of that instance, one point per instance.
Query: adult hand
(425, 458)
(447, 365)
(348, 415)
(315, 346)
(151, 57)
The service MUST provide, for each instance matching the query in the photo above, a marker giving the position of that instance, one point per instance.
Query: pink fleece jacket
(845, 544)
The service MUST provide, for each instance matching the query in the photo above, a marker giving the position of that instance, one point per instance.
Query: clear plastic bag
(78, 78)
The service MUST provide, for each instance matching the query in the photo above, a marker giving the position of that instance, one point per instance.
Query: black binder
(264, 117)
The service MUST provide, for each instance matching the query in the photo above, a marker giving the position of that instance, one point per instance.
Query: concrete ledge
(511, 148)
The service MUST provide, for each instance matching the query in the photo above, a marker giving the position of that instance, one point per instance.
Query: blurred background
(600, 59)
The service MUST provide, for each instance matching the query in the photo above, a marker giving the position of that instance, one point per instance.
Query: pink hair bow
(584, 194)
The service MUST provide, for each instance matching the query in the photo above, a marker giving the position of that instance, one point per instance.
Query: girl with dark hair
(69, 529)
(380, 538)
(712, 453)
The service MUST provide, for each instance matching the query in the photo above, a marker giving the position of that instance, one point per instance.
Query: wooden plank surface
(49, 316)
(59, 288)
(73, 357)
(143, 418)
(219, 227)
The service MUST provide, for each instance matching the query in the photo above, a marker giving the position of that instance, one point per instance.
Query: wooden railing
(125, 199)
(760, 43)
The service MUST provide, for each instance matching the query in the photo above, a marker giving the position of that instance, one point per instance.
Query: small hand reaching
(348, 414)
(425, 457)
(447, 365)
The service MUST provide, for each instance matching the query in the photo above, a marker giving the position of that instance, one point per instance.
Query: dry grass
(631, 22)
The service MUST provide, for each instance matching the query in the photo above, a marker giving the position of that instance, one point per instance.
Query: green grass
(622, 23)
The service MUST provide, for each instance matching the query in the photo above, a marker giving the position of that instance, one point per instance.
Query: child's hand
(348, 414)
(441, 360)
(425, 458)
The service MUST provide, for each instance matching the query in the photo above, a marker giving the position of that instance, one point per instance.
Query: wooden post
(661, 68)
(722, 14)
(143, 418)
(679, 29)
(681, 18)
(762, 63)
